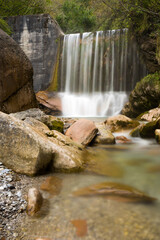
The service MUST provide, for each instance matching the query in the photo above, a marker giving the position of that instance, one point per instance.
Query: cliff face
(38, 36)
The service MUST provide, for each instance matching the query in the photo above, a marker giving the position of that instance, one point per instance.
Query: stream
(69, 217)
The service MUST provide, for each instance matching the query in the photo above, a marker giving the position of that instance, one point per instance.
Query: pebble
(11, 202)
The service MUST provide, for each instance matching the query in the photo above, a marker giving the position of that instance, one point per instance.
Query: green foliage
(76, 16)
(4, 26)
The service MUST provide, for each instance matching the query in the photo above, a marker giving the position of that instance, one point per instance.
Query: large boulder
(28, 150)
(16, 81)
(120, 122)
(82, 131)
(157, 135)
(144, 97)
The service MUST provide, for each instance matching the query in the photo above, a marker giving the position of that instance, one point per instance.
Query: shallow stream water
(100, 218)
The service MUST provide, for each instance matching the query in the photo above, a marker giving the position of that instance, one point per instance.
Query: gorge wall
(38, 36)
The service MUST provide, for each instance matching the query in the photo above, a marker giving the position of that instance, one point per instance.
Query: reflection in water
(104, 218)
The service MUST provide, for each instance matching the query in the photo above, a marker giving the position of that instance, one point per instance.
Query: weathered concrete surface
(38, 36)
(16, 77)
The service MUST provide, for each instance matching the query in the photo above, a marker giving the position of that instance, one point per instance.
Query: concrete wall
(38, 36)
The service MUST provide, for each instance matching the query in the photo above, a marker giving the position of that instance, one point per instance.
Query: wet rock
(82, 131)
(16, 82)
(104, 136)
(148, 130)
(157, 135)
(120, 122)
(123, 139)
(116, 190)
(151, 115)
(43, 239)
(136, 131)
(34, 201)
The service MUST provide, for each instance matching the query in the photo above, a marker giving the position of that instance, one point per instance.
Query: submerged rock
(120, 122)
(52, 185)
(123, 139)
(34, 201)
(104, 136)
(82, 131)
(115, 190)
(16, 81)
(157, 135)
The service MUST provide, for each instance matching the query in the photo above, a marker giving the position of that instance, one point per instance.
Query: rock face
(120, 122)
(151, 115)
(144, 97)
(104, 135)
(38, 36)
(83, 131)
(29, 149)
(16, 90)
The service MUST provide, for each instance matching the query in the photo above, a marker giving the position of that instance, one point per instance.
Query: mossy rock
(136, 131)
(144, 97)
(148, 130)
(57, 125)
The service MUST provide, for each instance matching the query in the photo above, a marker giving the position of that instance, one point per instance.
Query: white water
(97, 71)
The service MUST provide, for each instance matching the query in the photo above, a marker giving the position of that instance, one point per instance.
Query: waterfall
(98, 70)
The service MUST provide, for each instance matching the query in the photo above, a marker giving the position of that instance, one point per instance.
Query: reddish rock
(51, 103)
(16, 77)
(83, 131)
(122, 139)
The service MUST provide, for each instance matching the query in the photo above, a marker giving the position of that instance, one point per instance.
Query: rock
(37, 125)
(144, 97)
(49, 101)
(52, 185)
(82, 131)
(81, 227)
(22, 149)
(65, 140)
(31, 113)
(52, 122)
(123, 139)
(29, 151)
(136, 131)
(116, 190)
(34, 201)
(43, 239)
(104, 135)
(16, 82)
(151, 115)
(157, 135)
(148, 130)
(120, 122)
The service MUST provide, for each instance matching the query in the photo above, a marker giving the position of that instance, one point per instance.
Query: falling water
(97, 71)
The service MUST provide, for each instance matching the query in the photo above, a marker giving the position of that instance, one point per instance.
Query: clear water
(106, 219)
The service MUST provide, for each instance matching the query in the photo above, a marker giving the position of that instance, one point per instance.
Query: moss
(56, 125)
(139, 117)
(54, 83)
(148, 130)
